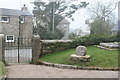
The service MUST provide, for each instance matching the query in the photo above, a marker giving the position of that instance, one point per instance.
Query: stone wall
(0, 23)
(12, 27)
(52, 46)
(0, 28)
(27, 27)
(36, 47)
(1, 47)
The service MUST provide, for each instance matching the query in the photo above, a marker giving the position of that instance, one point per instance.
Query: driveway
(39, 71)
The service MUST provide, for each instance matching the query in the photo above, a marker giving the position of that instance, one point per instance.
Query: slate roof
(13, 12)
(65, 21)
(116, 27)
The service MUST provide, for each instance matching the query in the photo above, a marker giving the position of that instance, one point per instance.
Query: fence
(18, 51)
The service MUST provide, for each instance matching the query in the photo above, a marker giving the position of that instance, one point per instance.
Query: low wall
(52, 46)
(53, 41)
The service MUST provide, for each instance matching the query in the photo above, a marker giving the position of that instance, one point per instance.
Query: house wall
(0, 24)
(12, 27)
(26, 28)
(65, 28)
(0, 28)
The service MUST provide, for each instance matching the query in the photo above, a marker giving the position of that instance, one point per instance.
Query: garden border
(101, 47)
(76, 67)
(3, 77)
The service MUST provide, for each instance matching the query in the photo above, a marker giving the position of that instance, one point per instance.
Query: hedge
(93, 40)
(2, 69)
(52, 47)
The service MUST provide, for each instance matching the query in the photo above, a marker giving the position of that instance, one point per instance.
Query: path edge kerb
(3, 77)
(76, 67)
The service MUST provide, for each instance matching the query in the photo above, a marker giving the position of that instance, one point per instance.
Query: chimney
(24, 8)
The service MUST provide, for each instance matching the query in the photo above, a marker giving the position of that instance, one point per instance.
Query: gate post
(2, 47)
(36, 47)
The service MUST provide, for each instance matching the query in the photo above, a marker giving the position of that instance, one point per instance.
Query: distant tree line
(103, 18)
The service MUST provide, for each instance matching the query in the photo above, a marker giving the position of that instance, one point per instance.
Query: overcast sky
(80, 16)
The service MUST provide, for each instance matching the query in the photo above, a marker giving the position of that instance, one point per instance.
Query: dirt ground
(39, 71)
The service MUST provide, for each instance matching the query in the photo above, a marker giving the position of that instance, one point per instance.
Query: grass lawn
(2, 69)
(99, 58)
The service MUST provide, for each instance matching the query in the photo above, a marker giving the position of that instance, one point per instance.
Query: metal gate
(18, 50)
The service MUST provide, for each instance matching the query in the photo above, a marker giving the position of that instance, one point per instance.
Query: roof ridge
(10, 9)
(6, 11)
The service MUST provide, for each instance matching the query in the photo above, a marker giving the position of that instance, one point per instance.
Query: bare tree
(103, 17)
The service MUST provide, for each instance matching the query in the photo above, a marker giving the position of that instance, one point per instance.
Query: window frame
(10, 40)
(3, 20)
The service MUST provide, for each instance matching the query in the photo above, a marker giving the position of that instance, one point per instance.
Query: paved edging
(101, 47)
(76, 67)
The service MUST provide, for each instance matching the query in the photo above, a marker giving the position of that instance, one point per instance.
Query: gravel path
(39, 71)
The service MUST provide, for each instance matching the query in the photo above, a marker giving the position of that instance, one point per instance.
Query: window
(4, 19)
(9, 38)
(22, 19)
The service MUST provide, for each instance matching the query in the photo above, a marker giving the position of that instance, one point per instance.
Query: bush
(2, 69)
(93, 40)
(49, 35)
(56, 35)
(55, 46)
(52, 47)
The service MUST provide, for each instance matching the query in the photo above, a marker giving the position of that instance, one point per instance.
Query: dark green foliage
(93, 40)
(56, 35)
(56, 46)
(42, 30)
(48, 35)
(2, 69)
(100, 26)
(85, 41)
